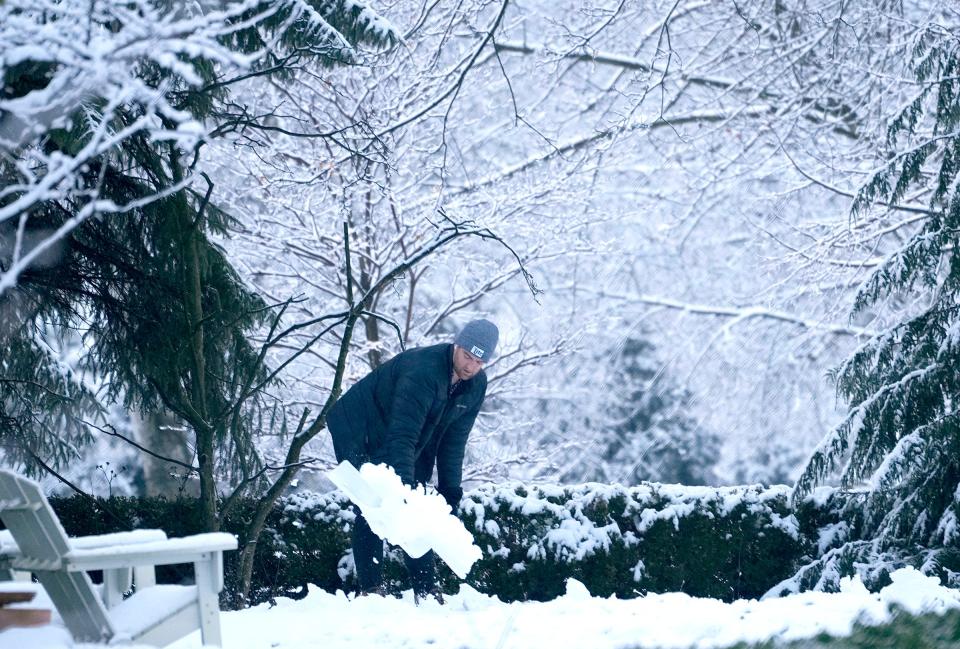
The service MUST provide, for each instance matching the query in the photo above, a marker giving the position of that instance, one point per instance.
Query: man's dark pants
(368, 550)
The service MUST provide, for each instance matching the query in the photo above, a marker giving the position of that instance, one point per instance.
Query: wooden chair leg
(144, 576)
(209, 577)
(116, 581)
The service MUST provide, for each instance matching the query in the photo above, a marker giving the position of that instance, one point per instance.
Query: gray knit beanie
(479, 337)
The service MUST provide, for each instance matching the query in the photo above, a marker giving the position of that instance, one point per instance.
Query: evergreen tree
(164, 314)
(645, 430)
(900, 438)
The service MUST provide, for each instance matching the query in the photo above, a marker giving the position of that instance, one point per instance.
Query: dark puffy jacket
(403, 414)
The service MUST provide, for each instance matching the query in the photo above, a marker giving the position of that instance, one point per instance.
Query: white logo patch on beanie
(476, 351)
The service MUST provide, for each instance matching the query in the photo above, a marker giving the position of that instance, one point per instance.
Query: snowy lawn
(576, 620)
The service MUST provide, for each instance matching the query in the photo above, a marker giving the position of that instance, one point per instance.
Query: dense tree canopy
(108, 191)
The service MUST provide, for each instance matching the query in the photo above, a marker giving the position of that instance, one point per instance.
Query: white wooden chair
(154, 615)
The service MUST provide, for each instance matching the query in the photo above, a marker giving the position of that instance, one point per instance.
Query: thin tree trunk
(372, 328)
(204, 432)
(193, 304)
(265, 504)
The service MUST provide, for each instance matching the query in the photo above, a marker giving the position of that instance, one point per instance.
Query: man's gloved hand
(453, 498)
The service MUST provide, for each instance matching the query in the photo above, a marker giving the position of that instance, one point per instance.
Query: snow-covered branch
(742, 313)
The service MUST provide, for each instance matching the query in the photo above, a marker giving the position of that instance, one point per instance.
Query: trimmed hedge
(726, 543)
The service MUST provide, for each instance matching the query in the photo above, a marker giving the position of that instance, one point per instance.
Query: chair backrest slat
(33, 524)
(41, 539)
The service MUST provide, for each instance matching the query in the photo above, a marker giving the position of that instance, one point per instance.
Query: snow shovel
(414, 520)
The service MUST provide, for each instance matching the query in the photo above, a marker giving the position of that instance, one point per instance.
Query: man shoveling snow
(411, 413)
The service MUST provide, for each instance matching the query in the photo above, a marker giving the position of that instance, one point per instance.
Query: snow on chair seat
(144, 616)
(155, 615)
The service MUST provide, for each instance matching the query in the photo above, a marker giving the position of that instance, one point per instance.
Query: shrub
(725, 543)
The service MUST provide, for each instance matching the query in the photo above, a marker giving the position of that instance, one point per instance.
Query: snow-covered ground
(470, 620)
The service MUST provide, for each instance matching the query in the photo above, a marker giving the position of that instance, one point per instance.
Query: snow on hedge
(724, 542)
(576, 532)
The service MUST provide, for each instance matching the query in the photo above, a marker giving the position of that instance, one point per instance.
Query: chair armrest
(9, 547)
(188, 549)
(136, 537)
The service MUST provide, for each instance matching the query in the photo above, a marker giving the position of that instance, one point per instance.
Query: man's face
(465, 364)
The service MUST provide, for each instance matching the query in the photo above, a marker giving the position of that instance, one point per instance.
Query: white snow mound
(415, 520)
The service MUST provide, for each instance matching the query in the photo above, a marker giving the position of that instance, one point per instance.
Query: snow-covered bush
(834, 521)
(726, 542)
(722, 542)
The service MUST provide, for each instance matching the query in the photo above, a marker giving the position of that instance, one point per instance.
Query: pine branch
(108, 429)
